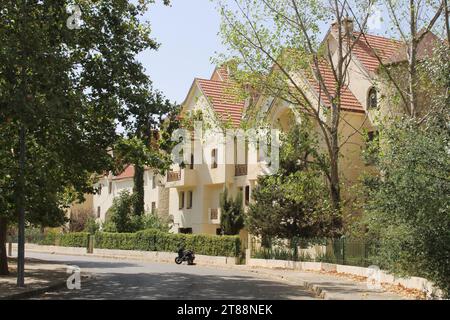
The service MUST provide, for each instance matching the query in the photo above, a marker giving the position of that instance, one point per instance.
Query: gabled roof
(384, 47)
(424, 49)
(224, 104)
(348, 99)
(127, 173)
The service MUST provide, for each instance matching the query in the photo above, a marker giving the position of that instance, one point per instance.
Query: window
(191, 165)
(189, 200)
(181, 199)
(110, 187)
(213, 158)
(372, 99)
(247, 195)
(98, 212)
(153, 207)
(153, 181)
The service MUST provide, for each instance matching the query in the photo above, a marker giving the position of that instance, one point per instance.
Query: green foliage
(121, 217)
(153, 221)
(91, 226)
(407, 206)
(73, 239)
(294, 201)
(156, 240)
(232, 213)
(121, 213)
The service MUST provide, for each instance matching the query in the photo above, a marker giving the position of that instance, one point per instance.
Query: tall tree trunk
(335, 189)
(20, 207)
(138, 190)
(3, 257)
(413, 61)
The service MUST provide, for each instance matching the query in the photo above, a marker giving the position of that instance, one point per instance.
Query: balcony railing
(240, 170)
(173, 176)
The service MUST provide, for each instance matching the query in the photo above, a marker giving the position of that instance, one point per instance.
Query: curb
(314, 288)
(35, 292)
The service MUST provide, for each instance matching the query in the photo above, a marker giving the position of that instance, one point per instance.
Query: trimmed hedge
(155, 240)
(75, 239)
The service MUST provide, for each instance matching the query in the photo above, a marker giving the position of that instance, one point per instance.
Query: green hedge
(75, 239)
(155, 240)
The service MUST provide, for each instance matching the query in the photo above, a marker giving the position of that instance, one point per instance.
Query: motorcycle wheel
(178, 260)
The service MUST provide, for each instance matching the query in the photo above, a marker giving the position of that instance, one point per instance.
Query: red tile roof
(348, 100)
(220, 74)
(224, 104)
(126, 174)
(365, 46)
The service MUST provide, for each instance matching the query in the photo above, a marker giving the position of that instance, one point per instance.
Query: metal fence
(344, 251)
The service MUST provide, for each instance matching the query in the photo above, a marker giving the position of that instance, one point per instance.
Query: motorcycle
(185, 255)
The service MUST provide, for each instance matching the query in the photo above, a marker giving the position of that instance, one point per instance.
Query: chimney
(346, 25)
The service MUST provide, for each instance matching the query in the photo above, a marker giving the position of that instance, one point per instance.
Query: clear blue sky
(187, 32)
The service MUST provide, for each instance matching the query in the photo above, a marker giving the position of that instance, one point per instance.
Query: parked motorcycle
(185, 255)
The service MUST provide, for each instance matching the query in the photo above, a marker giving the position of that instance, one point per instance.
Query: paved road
(130, 279)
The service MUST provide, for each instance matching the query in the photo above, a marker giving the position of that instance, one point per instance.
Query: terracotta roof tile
(384, 47)
(348, 99)
(224, 104)
(127, 173)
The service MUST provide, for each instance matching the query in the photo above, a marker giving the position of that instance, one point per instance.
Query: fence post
(343, 249)
(90, 248)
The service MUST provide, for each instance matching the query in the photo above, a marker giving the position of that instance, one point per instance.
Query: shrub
(155, 240)
(74, 239)
(91, 226)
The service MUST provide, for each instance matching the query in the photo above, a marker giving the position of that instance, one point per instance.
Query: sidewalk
(40, 276)
(333, 286)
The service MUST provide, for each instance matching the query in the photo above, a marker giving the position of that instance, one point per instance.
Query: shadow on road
(180, 286)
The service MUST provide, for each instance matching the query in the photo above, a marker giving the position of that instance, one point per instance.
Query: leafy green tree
(142, 147)
(232, 213)
(293, 202)
(62, 90)
(407, 205)
(120, 215)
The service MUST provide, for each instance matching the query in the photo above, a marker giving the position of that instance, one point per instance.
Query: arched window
(372, 99)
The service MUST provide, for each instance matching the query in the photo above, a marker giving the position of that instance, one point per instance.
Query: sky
(187, 32)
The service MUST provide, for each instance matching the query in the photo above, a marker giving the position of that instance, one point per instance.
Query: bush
(91, 226)
(75, 239)
(155, 240)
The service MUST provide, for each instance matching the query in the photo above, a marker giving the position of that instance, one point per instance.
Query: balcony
(214, 215)
(183, 178)
(240, 170)
(173, 176)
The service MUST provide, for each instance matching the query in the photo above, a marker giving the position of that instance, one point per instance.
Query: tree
(232, 213)
(407, 206)
(142, 147)
(411, 22)
(293, 202)
(61, 92)
(272, 42)
(406, 203)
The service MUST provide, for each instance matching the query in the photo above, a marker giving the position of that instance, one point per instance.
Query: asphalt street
(132, 279)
